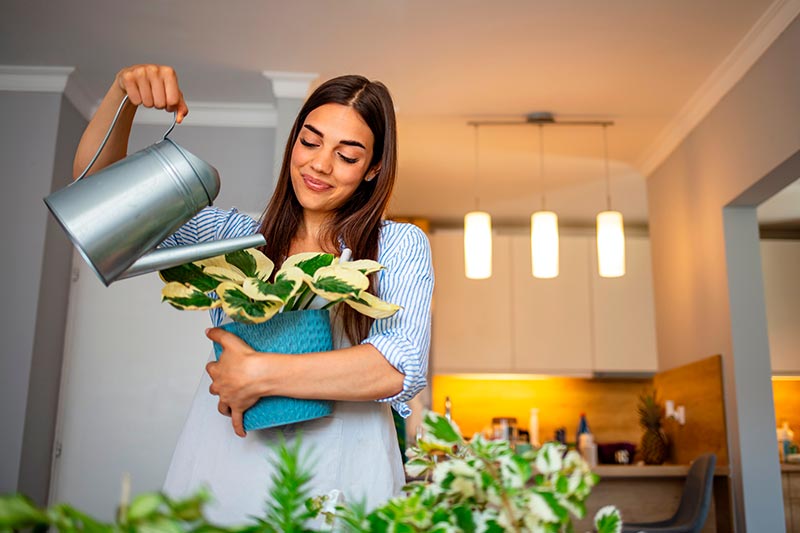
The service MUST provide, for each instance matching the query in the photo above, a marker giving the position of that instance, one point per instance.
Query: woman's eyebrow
(344, 141)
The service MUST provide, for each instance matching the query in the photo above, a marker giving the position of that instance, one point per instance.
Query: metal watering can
(117, 216)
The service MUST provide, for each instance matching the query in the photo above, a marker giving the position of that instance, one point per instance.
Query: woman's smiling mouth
(315, 184)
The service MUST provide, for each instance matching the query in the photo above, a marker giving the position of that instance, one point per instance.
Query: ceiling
(446, 62)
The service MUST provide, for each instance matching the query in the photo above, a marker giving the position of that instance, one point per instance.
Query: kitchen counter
(790, 467)
(652, 471)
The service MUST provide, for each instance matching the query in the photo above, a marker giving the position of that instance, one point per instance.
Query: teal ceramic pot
(292, 332)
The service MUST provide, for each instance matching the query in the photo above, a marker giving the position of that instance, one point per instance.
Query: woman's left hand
(235, 377)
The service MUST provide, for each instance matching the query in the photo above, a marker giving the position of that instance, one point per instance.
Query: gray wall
(34, 260)
(736, 148)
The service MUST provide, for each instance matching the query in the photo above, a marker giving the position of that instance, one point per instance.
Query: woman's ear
(372, 174)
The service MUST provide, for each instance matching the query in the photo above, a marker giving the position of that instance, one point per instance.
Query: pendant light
(610, 231)
(477, 234)
(544, 231)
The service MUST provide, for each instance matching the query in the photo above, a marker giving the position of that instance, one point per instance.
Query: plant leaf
(144, 505)
(237, 305)
(365, 266)
(608, 520)
(17, 512)
(286, 285)
(190, 274)
(308, 262)
(335, 282)
(252, 263)
(182, 297)
(441, 429)
(219, 269)
(372, 306)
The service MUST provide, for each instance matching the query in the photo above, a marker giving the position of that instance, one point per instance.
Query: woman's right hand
(153, 86)
(148, 85)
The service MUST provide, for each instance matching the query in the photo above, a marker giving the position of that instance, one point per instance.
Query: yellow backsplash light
(610, 404)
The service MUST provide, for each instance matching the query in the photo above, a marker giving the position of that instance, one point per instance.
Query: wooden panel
(698, 387)
(779, 264)
(551, 317)
(610, 405)
(471, 318)
(624, 331)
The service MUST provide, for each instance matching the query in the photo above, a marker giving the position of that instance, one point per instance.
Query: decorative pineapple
(654, 446)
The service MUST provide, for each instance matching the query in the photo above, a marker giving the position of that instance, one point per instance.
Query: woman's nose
(322, 162)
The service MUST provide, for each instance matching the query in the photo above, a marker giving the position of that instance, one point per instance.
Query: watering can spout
(164, 258)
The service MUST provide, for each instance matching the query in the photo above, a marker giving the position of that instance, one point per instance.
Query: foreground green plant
(245, 293)
(470, 487)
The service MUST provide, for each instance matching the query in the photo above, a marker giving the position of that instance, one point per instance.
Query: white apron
(354, 450)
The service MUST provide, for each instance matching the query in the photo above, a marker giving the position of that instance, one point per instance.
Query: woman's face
(330, 157)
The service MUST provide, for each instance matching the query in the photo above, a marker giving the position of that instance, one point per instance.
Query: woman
(336, 178)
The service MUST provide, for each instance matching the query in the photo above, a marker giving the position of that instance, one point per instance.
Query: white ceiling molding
(34, 79)
(760, 37)
(290, 84)
(219, 114)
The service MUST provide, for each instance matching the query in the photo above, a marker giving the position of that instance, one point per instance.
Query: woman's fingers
(153, 86)
(238, 423)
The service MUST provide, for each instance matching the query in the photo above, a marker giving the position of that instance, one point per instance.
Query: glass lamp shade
(544, 244)
(478, 245)
(610, 244)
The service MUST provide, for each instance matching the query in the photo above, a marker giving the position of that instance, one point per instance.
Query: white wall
(743, 151)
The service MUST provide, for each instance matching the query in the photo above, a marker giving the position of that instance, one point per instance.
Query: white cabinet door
(551, 317)
(471, 318)
(624, 317)
(780, 264)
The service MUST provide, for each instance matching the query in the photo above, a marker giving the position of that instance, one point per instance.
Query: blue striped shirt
(404, 338)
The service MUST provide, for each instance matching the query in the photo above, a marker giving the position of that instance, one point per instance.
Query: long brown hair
(357, 222)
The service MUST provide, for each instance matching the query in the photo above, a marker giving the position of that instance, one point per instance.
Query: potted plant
(272, 314)
(464, 486)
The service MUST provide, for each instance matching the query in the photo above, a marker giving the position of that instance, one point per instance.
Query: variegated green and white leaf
(240, 307)
(219, 269)
(308, 262)
(365, 266)
(372, 306)
(336, 282)
(189, 274)
(286, 285)
(182, 297)
(252, 263)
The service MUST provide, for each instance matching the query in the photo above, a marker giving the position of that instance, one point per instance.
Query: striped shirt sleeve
(212, 223)
(404, 338)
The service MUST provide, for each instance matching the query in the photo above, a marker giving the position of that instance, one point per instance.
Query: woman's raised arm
(148, 85)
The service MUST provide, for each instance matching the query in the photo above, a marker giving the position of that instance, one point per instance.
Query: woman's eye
(306, 143)
(349, 160)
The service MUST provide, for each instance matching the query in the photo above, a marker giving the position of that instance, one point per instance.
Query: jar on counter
(505, 428)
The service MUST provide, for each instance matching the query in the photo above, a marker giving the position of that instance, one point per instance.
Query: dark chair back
(696, 497)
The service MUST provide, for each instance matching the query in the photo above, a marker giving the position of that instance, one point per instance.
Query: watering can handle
(108, 134)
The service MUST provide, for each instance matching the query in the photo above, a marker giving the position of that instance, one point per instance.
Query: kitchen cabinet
(780, 260)
(471, 318)
(575, 324)
(551, 323)
(623, 312)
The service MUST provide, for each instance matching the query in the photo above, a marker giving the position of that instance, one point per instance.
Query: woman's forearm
(117, 146)
(358, 373)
